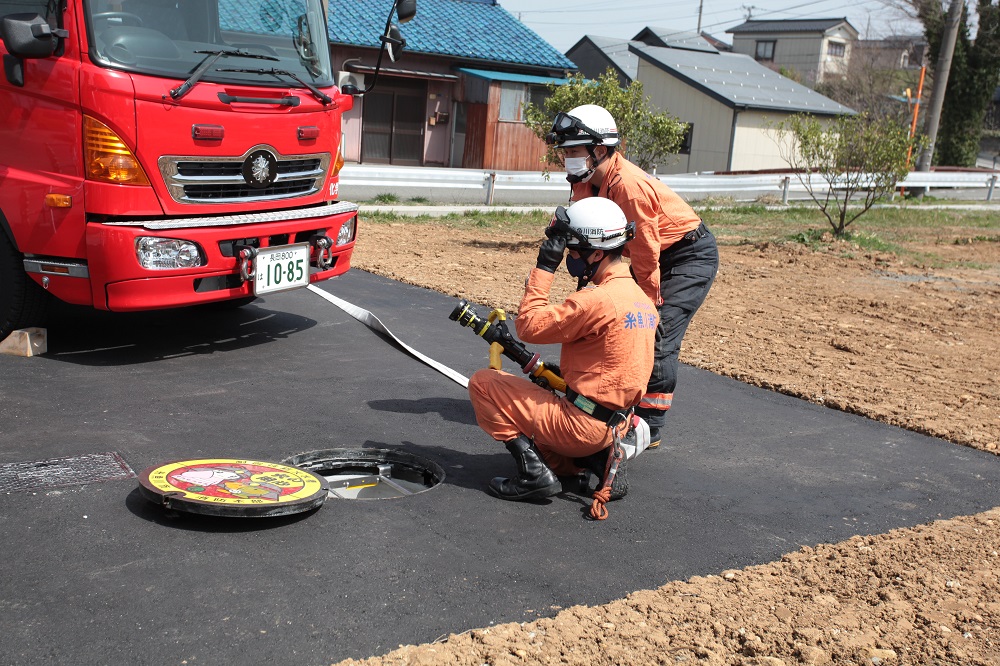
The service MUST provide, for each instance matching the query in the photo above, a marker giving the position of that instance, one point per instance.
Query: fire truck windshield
(170, 38)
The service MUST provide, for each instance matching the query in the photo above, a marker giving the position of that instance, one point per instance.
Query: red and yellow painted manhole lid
(230, 487)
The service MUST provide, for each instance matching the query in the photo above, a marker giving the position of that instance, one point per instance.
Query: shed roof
(615, 50)
(474, 29)
(738, 81)
(509, 76)
(790, 25)
(676, 39)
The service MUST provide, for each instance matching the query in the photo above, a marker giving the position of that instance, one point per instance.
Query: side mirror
(394, 42)
(29, 36)
(350, 89)
(405, 10)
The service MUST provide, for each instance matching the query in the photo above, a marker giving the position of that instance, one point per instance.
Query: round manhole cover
(365, 474)
(235, 488)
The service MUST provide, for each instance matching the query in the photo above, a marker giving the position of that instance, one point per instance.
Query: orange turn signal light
(107, 158)
(58, 200)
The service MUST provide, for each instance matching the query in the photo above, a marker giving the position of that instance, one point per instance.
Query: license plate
(281, 268)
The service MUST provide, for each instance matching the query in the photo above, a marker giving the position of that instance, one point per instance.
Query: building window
(765, 51)
(514, 96)
(511, 101)
(836, 49)
(537, 95)
(685, 148)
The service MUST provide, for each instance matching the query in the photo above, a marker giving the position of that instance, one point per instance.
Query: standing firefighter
(674, 256)
(606, 328)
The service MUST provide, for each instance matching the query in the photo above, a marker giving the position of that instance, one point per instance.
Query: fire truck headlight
(163, 254)
(346, 233)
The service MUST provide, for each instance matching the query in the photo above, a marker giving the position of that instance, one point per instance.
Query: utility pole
(701, 3)
(941, 71)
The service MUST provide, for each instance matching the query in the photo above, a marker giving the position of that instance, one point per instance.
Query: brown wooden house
(455, 98)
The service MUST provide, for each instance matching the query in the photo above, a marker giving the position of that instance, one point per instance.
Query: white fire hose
(372, 322)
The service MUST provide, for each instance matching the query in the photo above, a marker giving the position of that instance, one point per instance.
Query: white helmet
(587, 125)
(594, 223)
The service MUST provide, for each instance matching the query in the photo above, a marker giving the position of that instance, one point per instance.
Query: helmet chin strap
(574, 179)
(588, 272)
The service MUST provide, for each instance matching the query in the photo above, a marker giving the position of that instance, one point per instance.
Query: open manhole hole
(365, 474)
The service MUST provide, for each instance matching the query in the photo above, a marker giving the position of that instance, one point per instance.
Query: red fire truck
(163, 153)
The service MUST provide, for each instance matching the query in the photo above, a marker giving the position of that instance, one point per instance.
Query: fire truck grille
(209, 169)
(282, 188)
(220, 179)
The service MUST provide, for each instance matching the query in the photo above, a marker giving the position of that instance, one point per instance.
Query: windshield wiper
(317, 93)
(208, 61)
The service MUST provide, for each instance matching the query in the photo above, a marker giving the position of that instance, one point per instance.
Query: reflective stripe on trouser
(507, 406)
(686, 274)
(659, 401)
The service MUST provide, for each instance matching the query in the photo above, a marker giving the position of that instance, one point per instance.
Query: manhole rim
(364, 456)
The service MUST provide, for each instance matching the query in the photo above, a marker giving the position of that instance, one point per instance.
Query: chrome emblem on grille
(260, 169)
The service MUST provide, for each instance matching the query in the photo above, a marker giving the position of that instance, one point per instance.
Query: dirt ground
(856, 330)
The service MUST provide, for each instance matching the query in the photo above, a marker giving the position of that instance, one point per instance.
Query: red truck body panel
(42, 152)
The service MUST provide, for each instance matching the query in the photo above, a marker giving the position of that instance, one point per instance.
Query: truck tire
(22, 301)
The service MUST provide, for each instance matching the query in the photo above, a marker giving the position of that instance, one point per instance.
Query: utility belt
(695, 234)
(611, 417)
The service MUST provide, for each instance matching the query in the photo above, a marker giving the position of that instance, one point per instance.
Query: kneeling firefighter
(607, 329)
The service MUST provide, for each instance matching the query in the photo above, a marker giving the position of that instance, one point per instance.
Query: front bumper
(120, 284)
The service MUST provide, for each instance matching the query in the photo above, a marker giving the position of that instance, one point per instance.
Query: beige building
(814, 49)
(728, 100)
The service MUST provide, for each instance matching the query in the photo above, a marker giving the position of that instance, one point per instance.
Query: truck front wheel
(22, 301)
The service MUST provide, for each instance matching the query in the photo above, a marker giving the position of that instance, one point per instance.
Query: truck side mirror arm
(392, 41)
(30, 36)
(26, 36)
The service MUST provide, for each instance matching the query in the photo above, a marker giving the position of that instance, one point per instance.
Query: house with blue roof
(455, 97)
(728, 100)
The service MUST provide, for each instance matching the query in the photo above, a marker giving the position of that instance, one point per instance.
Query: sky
(563, 22)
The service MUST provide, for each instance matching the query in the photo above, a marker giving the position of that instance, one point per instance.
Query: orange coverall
(607, 332)
(661, 217)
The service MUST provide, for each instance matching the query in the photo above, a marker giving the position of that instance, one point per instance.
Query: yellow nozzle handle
(554, 380)
(496, 351)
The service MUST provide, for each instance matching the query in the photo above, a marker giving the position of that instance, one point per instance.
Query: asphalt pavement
(93, 573)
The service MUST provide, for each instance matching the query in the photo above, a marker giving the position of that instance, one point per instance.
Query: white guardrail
(780, 184)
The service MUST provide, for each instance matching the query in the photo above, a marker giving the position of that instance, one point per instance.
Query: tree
(874, 80)
(852, 155)
(647, 136)
(974, 74)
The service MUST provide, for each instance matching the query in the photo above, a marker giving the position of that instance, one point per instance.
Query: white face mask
(577, 166)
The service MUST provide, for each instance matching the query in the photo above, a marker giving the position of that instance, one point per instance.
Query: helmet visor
(560, 226)
(566, 127)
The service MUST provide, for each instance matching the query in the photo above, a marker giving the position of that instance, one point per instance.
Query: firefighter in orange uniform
(607, 328)
(674, 256)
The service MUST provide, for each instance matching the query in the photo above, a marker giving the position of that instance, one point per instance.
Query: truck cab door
(40, 128)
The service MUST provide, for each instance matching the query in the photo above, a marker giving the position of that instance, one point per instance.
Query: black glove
(550, 254)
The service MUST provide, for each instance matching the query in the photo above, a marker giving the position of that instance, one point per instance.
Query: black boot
(597, 463)
(534, 478)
